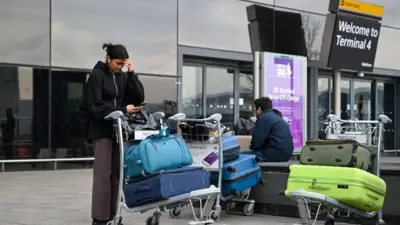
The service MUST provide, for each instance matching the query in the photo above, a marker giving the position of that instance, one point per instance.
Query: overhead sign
(356, 7)
(354, 43)
(284, 81)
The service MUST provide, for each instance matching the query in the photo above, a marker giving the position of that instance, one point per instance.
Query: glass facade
(44, 65)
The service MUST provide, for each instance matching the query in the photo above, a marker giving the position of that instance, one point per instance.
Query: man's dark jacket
(272, 137)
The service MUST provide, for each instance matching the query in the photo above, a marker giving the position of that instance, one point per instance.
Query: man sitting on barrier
(271, 139)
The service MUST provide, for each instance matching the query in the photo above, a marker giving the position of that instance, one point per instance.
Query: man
(271, 139)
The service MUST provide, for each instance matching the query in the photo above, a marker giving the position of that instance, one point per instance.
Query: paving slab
(64, 198)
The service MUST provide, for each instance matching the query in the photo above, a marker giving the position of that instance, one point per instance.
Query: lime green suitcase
(351, 186)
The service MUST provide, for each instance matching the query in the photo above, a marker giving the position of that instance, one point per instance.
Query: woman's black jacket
(104, 93)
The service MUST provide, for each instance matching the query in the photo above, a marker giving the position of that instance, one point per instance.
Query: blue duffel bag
(155, 153)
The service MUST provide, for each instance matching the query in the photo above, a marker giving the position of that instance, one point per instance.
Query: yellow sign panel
(361, 7)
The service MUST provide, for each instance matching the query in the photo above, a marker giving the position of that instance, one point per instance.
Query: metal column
(256, 73)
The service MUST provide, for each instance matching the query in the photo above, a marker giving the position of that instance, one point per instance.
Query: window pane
(385, 56)
(24, 29)
(24, 113)
(220, 97)
(362, 99)
(319, 6)
(323, 104)
(160, 94)
(192, 91)
(246, 95)
(345, 99)
(67, 140)
(147, 28)
(385, 97)
(203, 24)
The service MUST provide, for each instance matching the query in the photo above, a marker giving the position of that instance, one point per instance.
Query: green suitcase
(351, 186)
(346, 153)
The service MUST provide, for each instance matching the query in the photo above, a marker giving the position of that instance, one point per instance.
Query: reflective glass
(205, 24)
(147, 28)
(220, 98)
(25, 32)
(192, 91)
(24, 113)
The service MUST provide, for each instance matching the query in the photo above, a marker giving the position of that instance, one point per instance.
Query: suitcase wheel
(248, 209)
(231, 169)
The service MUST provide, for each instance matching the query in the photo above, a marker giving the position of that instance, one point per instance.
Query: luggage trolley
(367, 132)
(210, 141)
(208, 194)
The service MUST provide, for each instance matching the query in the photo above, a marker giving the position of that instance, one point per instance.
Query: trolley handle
(382, 118)
(331, 118)
(182, 118)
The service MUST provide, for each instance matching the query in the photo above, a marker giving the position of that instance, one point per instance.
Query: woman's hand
(129, 64)
(131, 109)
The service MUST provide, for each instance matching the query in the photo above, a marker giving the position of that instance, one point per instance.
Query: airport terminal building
(193, 56)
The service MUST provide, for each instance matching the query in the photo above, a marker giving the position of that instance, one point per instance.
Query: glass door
(246, 95)
(362, 99)
(192, 91)
(385, 95)
(219, 92)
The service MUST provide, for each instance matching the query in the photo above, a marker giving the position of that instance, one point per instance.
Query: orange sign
(361, 8)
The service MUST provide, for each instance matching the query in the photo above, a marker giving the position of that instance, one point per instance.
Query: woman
(105, 91)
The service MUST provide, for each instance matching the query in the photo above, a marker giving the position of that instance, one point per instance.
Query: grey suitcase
(346, 153)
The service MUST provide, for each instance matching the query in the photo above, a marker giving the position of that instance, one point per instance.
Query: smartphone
(143, 104)
(210, 159)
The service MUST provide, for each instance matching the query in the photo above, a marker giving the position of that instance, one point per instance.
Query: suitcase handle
(231, 169)
(319, 187)
(142, 189)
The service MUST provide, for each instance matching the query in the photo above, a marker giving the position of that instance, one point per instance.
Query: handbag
(142, 121)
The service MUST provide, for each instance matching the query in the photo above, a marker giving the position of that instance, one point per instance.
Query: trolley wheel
(230, 207)
(329, 222)
(248, 209)
(214, 216)
(149, 221)
(175, 212)
(153, 220)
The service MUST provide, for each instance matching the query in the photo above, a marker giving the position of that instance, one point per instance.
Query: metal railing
(54, 160)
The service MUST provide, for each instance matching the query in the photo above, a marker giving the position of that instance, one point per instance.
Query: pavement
(64, 197)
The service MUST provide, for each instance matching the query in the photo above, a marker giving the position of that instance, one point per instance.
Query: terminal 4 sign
(354, 43)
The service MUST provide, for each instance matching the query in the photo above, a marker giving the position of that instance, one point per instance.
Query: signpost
(350, 40)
